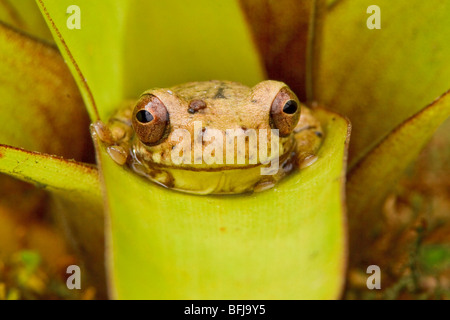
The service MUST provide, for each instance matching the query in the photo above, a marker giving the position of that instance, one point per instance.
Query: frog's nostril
(144, 116)
(196, 105)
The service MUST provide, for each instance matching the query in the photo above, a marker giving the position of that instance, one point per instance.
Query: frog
(175, 137)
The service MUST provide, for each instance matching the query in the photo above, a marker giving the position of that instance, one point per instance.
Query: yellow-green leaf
(127, 46)
(380, 77)
(41, 108)
(284, 243)
(54, 172)
(24, 15)
(374, 176)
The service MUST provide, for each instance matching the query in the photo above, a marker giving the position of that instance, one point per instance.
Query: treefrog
(213, 137)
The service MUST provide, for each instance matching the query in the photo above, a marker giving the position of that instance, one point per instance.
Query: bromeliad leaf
(54, 173)
(383, 166)
(40, 100)
(379, 78)
(284, 243)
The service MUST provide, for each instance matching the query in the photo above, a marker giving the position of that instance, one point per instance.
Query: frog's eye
(285, 112)
(150, 120)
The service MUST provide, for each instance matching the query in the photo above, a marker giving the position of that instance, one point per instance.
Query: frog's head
(185, 135)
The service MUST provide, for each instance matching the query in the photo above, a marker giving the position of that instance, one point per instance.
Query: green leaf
(284, 243)
(370, 180)
(54, 173)
(39, 99)
(434, 257)
(24, 15)
(379, 78)
(127, 46)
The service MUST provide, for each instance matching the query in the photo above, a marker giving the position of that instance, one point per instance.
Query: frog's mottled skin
(227, 105)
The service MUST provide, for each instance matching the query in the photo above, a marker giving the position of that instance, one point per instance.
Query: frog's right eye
(150, 120)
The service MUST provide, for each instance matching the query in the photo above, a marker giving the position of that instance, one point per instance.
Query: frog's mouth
(288, 154)
(230, 179)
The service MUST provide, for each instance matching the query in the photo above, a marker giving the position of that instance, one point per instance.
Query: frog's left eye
(285, 112)
(150, 120)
